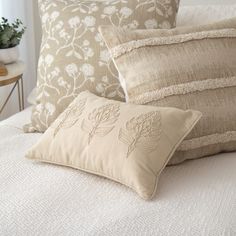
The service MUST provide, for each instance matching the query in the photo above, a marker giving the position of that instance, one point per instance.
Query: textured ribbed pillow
(128, 143)
(73, 57)
(187, 68)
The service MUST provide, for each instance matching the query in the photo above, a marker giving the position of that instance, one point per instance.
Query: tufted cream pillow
(187, 68)
(73, 57)
(130, 144)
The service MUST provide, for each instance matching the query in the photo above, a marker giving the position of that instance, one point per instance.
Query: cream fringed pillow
(130, 144)
(73, 57)
(187, 68)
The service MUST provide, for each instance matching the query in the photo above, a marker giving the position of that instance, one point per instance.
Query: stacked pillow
(127, 143)
(161, 72)
(73, 56)
(185, 68)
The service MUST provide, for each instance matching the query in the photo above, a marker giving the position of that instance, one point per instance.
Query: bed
(195, 198)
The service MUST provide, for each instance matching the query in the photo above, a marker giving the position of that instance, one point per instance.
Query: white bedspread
(199, 15)
(195, 198)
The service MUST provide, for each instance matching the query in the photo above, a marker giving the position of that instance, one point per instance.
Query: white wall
(23, 10)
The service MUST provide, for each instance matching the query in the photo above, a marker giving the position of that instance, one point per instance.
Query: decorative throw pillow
(73, 56)
(130, 144)
(184, 68)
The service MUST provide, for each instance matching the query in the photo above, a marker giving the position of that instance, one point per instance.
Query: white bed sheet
(195, 198)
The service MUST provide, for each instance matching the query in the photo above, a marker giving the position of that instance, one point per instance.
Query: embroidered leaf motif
(71, 116)
(100, 121)
(143, 131)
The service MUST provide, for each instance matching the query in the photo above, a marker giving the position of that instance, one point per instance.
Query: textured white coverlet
(200, 15)
(194, 198)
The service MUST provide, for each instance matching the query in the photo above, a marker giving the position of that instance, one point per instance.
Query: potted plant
(10, 37)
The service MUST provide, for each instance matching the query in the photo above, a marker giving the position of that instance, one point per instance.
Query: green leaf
(10, 34)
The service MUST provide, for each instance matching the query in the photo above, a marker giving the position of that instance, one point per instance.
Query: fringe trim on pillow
(181, 89)
(175, 39)
(207, 140)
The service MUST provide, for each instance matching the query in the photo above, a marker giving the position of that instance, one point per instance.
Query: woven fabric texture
(195, 198)
(92, 128)
(187, 68)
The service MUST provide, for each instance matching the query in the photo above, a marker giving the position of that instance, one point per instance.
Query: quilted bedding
(194, 198)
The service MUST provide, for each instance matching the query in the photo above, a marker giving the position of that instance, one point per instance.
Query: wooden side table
(15, 76)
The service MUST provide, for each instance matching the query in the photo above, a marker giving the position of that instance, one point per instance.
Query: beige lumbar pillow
(187, 68)
(130, 144)
(73, 57)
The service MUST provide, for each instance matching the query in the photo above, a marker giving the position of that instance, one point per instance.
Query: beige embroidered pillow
(187, 68)
(73, 56)
(130, 144)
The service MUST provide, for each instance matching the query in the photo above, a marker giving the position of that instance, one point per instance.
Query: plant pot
(9, 55)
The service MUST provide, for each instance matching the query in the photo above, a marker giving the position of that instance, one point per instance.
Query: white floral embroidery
(50, 108)
(133, 25)
(45, 18)
(100, 88)
(165, 25)
(62, 82)
(151, 24)
(72, 69)
(54, 15)
(86, 42)
(110, 10)
(49, 59)
(105, 56)
(89, 21)
(74, 22)
(56, 72)
(87, 70)
(59, 25)
(126, 12)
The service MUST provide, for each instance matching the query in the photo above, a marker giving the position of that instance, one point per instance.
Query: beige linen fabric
(128, 143)
(73, 57)
(187, 68)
